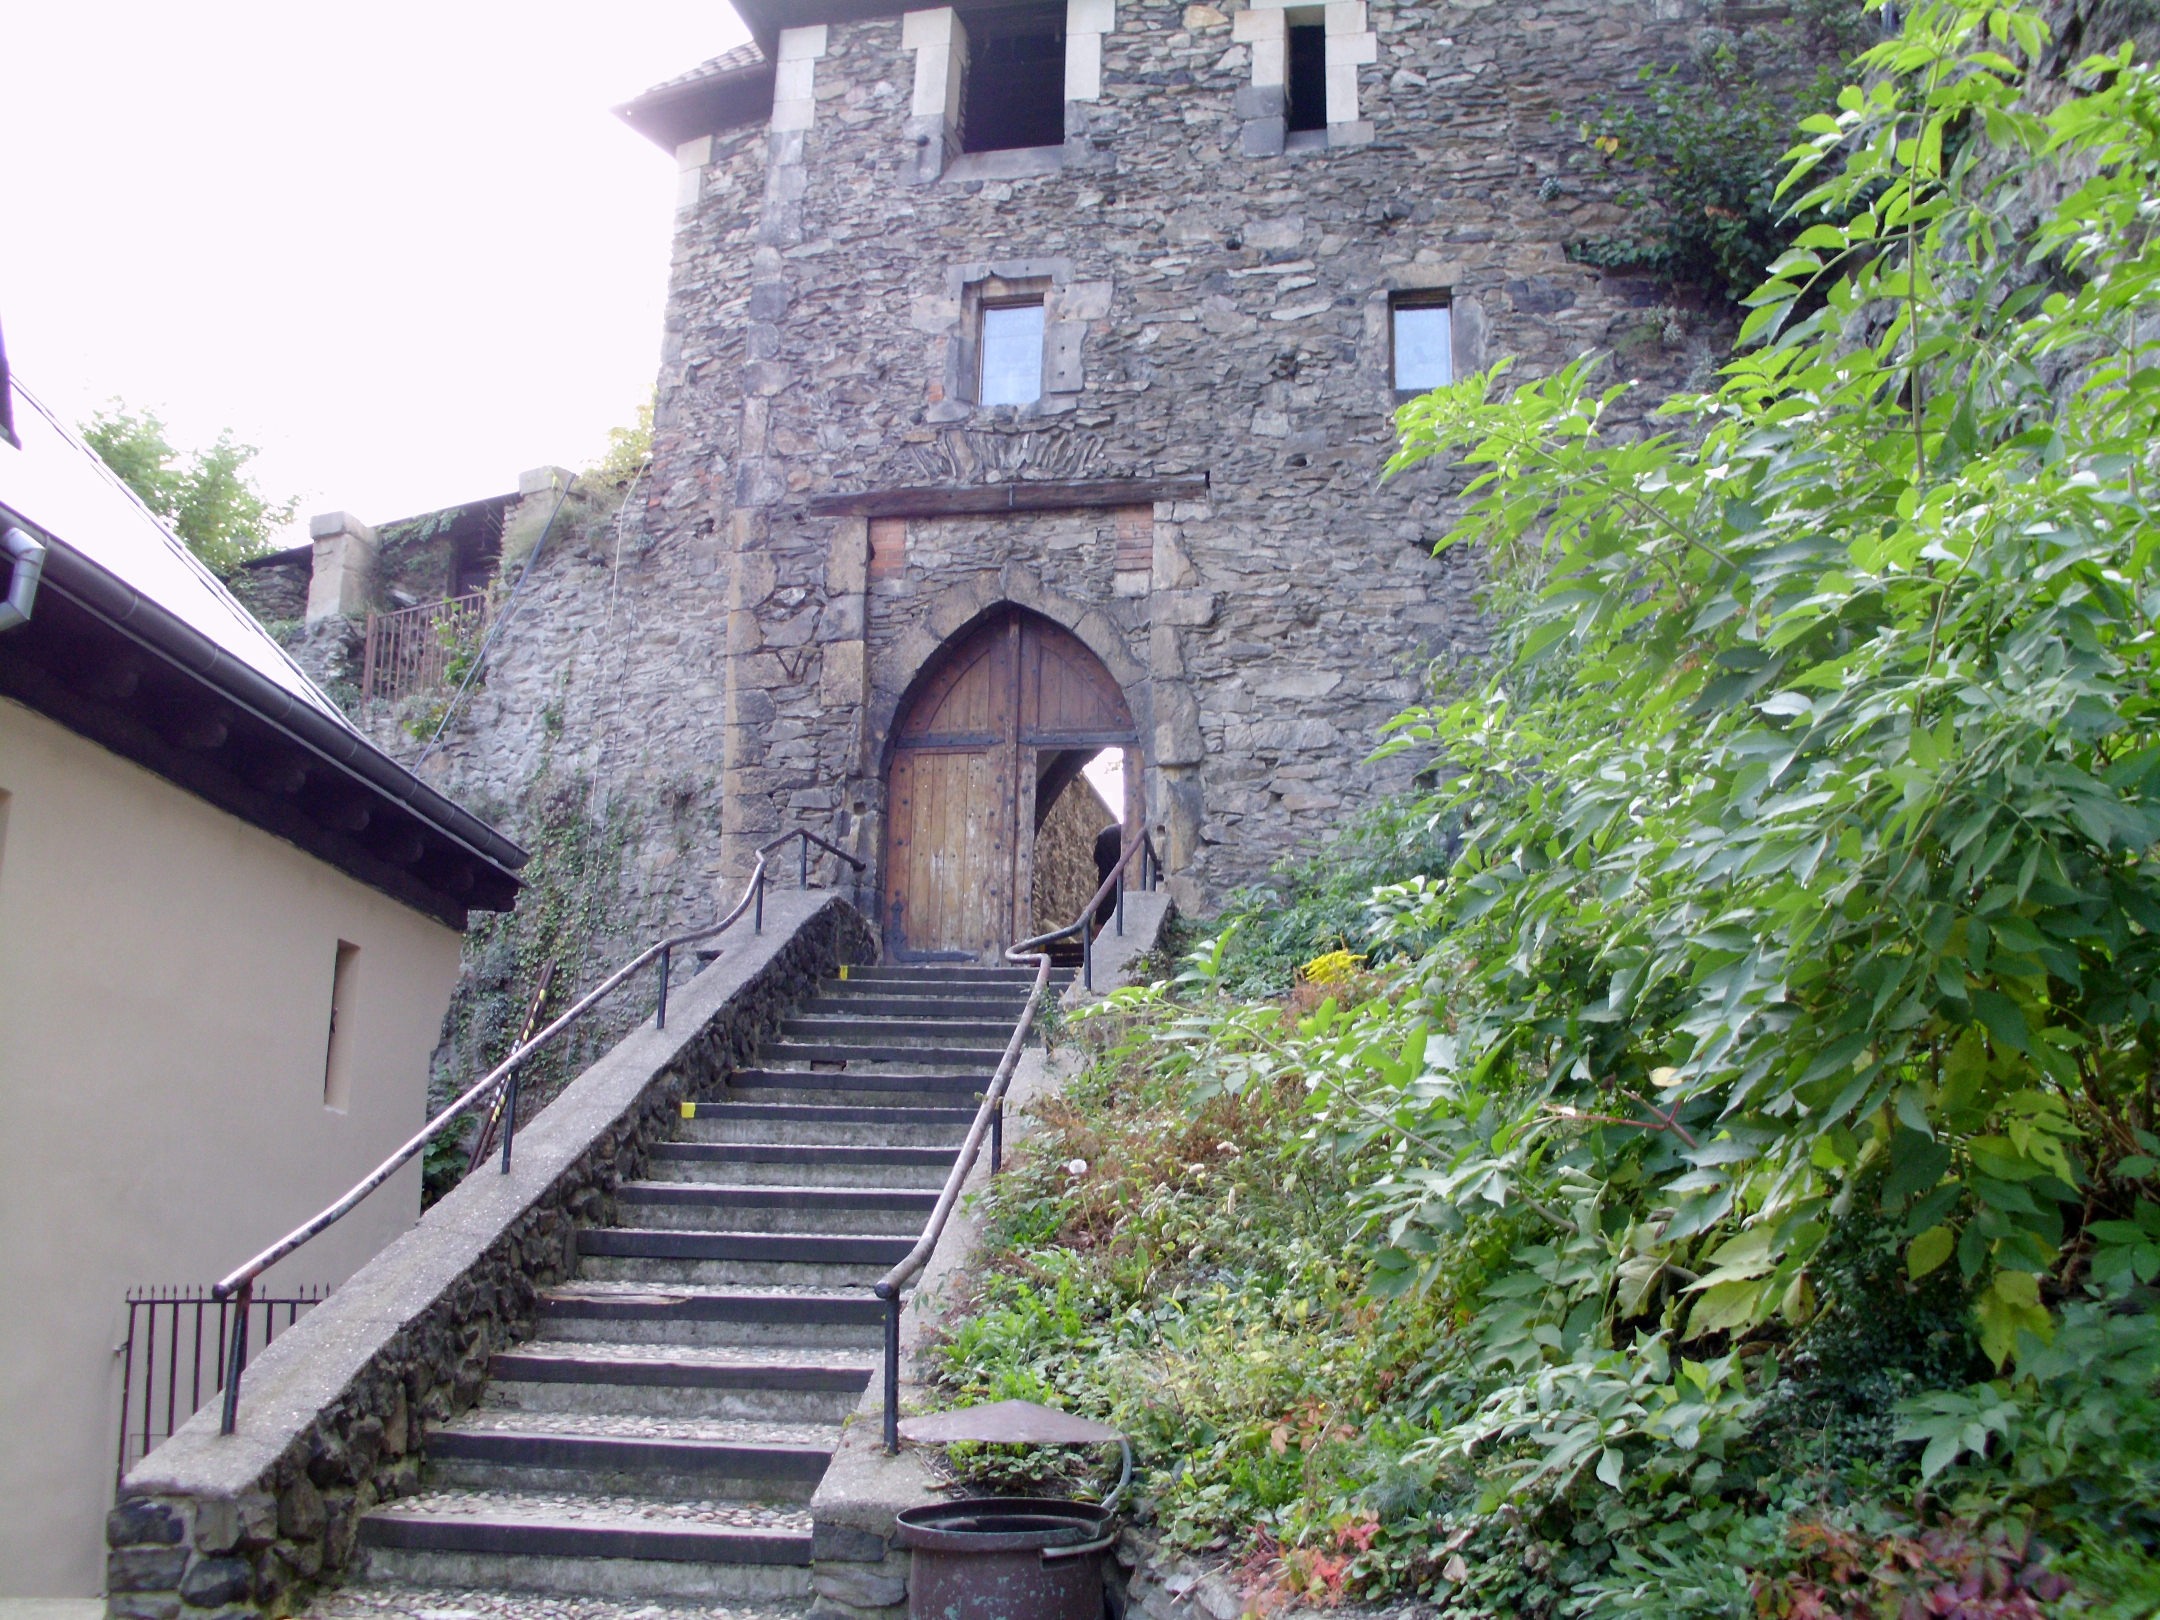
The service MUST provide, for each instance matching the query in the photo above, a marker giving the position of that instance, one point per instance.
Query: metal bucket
(1006, 1558)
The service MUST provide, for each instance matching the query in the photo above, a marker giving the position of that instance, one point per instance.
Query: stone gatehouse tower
(1065, 336)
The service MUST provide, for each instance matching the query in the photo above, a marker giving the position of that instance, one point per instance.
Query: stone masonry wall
(1217, 309)
(1213, 311)
(333, 1414)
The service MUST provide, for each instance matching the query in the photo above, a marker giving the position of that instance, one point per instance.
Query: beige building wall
(165, 984)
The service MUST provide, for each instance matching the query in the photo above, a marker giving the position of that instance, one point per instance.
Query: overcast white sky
(404, 248)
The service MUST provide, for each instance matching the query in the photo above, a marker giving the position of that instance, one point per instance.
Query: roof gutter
(28, 556)
(170, 637)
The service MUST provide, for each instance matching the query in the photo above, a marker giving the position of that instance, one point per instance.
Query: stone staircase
(661, 1436)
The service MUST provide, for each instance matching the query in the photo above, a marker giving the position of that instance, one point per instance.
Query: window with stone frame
(1009, 369)
(1421, 341)
(1305, 74)
(1014, 95)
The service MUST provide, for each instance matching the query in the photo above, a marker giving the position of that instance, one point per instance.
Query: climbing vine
(570, 910)
(1700, 154)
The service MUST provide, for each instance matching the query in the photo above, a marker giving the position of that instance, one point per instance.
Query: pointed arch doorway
(997, 727)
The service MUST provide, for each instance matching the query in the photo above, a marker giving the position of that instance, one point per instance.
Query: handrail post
(1121, 902)
(892, 1368)
(510, 1091)
(997, 1138)
(667, 964)
(236, 1361)
(757, 923)
(1087, 955)
(802, 871)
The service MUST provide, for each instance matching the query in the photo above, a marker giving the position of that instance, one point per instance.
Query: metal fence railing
(178, 1347)
(418, 649)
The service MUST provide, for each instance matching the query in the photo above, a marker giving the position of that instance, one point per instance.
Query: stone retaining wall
(332, 1415)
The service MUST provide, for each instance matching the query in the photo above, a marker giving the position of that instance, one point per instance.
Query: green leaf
(1930, 1251)
(2002, 1019)
(2011, 1306)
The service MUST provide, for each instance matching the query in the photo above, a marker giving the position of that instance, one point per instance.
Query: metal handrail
(502, 1077)
(990, 1114)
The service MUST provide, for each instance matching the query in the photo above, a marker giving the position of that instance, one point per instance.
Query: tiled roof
(745, 55)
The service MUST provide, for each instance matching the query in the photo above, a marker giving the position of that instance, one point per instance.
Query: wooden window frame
(1398, 302)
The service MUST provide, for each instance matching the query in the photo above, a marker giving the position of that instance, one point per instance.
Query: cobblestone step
(881, 1000)
(630, 1454)
(618, 1547)
(802, 1164)
(820, 1025)
(714, 1207)
(632, 1313)
(392, 1602)
(740, 1259)
(850, 1050)
(784, 1386)
(941, 973)
(860, 1088)
(942, 1124)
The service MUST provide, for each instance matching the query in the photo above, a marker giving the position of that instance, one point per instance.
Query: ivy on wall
(572, 907)
(1702, 151)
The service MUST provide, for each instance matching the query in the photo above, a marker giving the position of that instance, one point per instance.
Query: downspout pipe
(28, 556)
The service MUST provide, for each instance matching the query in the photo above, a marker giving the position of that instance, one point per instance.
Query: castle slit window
(1012, 353)
(1422, 337)
(1015, 95)
(338, 1057)
(1305, 75)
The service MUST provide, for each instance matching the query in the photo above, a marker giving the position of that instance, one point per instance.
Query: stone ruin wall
(730, 664)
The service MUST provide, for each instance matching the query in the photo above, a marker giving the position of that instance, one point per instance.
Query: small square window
(1012, 354)
(1423, 343)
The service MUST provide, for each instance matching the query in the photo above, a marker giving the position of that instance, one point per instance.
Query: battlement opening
(1015, 93)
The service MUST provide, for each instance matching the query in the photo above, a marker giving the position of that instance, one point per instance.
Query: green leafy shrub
(1734, 1190)
(1322, 903)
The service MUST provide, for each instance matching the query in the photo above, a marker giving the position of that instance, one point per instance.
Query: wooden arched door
(960, 788)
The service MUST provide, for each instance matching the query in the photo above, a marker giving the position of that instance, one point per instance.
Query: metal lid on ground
(1007, 1423)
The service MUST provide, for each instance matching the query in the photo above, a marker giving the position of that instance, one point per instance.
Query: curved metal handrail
(990, 1114)
(502, 1078)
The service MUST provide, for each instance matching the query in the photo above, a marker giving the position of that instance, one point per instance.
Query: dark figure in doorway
(1109, 845)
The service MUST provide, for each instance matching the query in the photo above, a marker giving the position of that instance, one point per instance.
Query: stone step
(610, 1547)
(890, 1090)
(642, 1314)
(718, 1207)
(626, 1454)
(802, 1164)
(944, 1124)
(880, 1001)
(789, 1053)
(774, 1386)
(739, 1259)
(943, 1034)
(945, 973)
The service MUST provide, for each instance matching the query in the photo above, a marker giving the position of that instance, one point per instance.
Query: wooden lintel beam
(977, 499)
